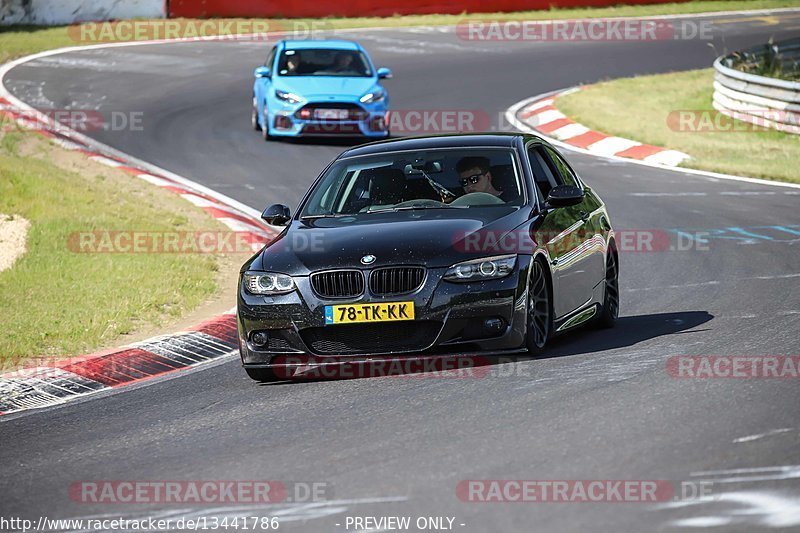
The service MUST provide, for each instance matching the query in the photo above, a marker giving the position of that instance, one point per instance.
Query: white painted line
(750, 438)
(545, 117)
(612, 145)
(569, 131)
(155, 180)
(199, 201)
(238, 225)
(538, 105)
(670, 158)
(105, 161)
(65, 144)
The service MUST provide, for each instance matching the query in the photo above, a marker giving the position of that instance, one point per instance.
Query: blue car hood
(317, 86)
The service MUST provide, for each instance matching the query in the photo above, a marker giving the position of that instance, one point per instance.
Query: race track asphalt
(599, 406)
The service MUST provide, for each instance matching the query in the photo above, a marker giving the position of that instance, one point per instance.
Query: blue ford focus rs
(319, 88)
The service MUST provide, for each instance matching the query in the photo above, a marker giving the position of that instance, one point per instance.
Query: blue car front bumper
(327, 117)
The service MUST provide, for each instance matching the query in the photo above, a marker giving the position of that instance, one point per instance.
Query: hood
(435, 238)
(318, 86)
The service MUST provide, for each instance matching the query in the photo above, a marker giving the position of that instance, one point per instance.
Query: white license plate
(330, 114)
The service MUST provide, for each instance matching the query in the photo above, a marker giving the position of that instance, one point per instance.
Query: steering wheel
(477, 198)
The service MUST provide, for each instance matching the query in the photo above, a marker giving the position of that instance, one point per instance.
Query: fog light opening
(494, 326)
(283, 122)
(259, 338)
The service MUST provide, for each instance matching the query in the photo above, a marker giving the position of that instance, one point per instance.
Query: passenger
(343, 62)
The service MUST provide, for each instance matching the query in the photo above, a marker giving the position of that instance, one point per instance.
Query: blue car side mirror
(262, 72)
(384, 73)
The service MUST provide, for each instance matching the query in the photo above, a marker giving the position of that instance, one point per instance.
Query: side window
(540, 168)
(271, 57)
(565, 176)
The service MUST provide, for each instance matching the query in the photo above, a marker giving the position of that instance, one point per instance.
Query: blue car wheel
(265, 134)
(254, 116)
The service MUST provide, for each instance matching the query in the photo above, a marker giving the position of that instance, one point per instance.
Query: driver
(475, 176)
(292, 64)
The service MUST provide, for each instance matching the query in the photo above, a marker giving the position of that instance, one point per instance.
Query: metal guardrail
(755, 98)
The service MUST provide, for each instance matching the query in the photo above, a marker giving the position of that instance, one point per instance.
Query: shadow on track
(629, 331)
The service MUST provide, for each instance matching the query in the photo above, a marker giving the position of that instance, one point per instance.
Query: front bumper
(286, 121)
(449, 319)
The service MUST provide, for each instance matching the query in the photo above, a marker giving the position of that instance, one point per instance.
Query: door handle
(584, 216)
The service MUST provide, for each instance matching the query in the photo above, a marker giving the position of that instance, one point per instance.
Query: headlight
(267, 283)
(372, 97)
(481, 269)
(290, 98)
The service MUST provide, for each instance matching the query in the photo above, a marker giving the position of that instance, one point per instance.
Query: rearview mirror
(277, 215)
(384, 73)
(262, 72)
(564, 196)
(420, 166)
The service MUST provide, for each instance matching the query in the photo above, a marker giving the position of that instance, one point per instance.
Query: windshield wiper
(418, 208)
(329, 215)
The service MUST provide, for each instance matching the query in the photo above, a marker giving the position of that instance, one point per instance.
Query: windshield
(429, 179)
(324, 62)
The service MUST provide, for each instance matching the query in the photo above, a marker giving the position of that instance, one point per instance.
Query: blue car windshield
(324, 62)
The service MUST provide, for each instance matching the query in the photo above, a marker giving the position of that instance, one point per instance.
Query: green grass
(640, 108)
(17, 41)
(55, 301)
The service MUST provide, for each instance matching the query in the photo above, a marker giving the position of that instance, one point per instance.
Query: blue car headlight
(373, 96)
(267, 283)
(482, 269)
(289, 98)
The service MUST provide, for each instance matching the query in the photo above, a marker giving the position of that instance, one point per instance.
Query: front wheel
(610, 311)
(265, 134)
(262, 375)
(254, 116)
(540, 317)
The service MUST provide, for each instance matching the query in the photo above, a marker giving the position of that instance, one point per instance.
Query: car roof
(457, 140)
(335, 44)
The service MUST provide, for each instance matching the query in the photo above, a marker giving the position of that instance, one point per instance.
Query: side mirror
(384, 73)
(277, 215)
(564, 196)
(262, 72)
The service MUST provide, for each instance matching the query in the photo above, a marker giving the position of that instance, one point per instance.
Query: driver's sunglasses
(472, 180)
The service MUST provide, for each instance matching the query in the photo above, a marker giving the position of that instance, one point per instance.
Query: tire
(540, 310)
(262, 375)
(610, 310)
(254, 116)
(265, 129)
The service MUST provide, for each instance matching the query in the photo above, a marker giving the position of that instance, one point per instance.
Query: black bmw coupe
(456, 244)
